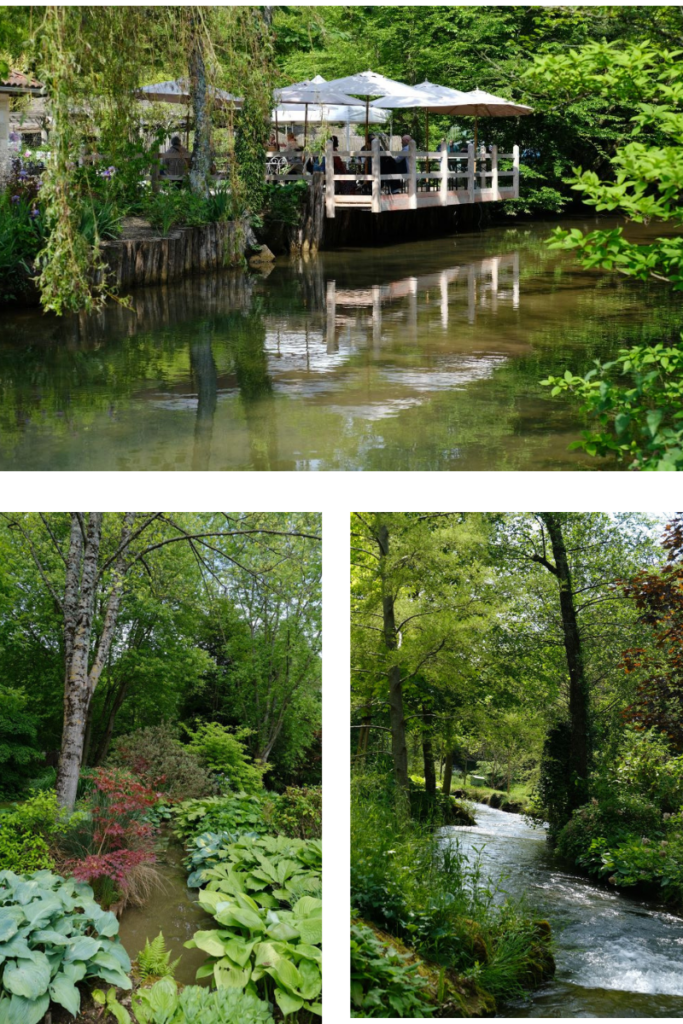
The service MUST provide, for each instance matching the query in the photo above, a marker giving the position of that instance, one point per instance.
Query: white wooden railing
(433, 179)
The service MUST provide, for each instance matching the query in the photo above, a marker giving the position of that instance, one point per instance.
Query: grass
(436, 899)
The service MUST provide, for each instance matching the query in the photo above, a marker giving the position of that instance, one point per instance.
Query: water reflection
(350, 361)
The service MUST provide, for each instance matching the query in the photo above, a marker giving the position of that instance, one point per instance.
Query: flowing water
(616, 956)
(423, 356)
(171, 909)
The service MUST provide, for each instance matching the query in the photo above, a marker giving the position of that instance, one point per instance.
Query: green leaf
(10, 919)
(27, 1011)
(29, 978)
(288, 1004)
(83, 949)
(286, 974)
(64, 992)
(209, 943)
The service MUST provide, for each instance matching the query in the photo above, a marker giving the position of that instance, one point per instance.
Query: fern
(154, 961)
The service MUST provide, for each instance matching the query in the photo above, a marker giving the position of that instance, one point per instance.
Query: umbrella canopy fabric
(179, 92)
(328, 113)
(369, 83)
(478, 103)
(312, 92)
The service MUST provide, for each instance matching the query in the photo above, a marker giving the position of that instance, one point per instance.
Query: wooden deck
(433, 180)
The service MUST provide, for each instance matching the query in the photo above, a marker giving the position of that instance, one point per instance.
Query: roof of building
(18, 82)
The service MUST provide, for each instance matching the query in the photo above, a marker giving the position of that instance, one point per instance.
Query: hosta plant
(238, 812)
(52, 936)
(208, 850)
(164, 1004)
(260, 950)
(271, 869)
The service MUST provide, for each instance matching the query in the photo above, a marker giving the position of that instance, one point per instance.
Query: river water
(424, 356)
(616, 956)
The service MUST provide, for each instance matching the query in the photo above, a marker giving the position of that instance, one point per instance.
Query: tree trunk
(200, 168)
(428, 756)
(105, 740)
(77, 685)
(397, 723)
(447, 774)
(578, 689)
(364, 736)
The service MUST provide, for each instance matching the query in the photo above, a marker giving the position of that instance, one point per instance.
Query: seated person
(403, 160)
(175, 162)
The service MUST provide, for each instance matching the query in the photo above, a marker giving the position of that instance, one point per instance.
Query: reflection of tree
(205, 377)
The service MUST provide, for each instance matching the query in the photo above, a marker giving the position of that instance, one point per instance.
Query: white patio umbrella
(179, 92)
(478, 103)
(368, 84)
(307, 93)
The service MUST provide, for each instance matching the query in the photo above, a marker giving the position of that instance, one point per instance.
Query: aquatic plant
(382, 980)
(256, 946)
(53, 936)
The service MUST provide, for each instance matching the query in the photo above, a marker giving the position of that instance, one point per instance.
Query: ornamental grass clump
(53, 935)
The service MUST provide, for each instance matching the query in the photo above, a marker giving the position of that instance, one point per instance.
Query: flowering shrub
(121, 839)
(157, 757)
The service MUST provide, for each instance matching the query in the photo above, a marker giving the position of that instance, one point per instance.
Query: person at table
(403, 159)
(340, 187)
(175, 162)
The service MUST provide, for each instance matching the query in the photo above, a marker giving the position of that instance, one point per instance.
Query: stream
(171, 909)
(617, 956)
(420, 356)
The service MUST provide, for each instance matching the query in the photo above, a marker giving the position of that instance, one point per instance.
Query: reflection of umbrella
(369, 83)
(305, 93)
(179, 92)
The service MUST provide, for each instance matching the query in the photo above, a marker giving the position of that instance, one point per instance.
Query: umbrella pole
(305, 125)
(367, 129)
(277, 133)
(427, 134)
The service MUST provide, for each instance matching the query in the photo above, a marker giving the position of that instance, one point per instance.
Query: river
(616, 956)
(423, 356)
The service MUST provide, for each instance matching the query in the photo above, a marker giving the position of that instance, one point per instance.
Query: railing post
(494, 171)
(482, 173)
(515, 170)
(444, 177)
(412, 176)
(376, 178)
(470, 171)
(329, 180)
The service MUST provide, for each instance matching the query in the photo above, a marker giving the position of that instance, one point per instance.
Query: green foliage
(270, 869)
(32, 832)
(223, 752)
(250, 151)
(100, 220)
(18, 735)
(636, 401)
(283, 203)
(208, 849)
(172, 206)
(164, 1004)
(611, 821)
(156, 756)
(154, 961)
(53, 936)
(297, 812)
(641, 860)
(240, 812)
(257, 947)
(22, 233)
(382, 984)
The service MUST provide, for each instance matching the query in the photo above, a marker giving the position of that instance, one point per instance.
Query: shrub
(172, 206)
(18, 734)
(22, 235)
(31, 833)
(162, 762)
(163, 1004)
(257, 947)
(297, 812)
(640, 860)
(613, 822)
(238, 813)
(119, 840)
(283, 202)
(381, 979)
(223, 752)
(54, 935)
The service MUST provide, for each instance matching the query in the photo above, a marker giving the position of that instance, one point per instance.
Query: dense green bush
(237, 813)
(22, 235)
(382, 984)
(222, 751)
(612, 821)
(297, 812)
(32, 832)
(53, 936)
(283, 202)
(157, 757)
(18, 735)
